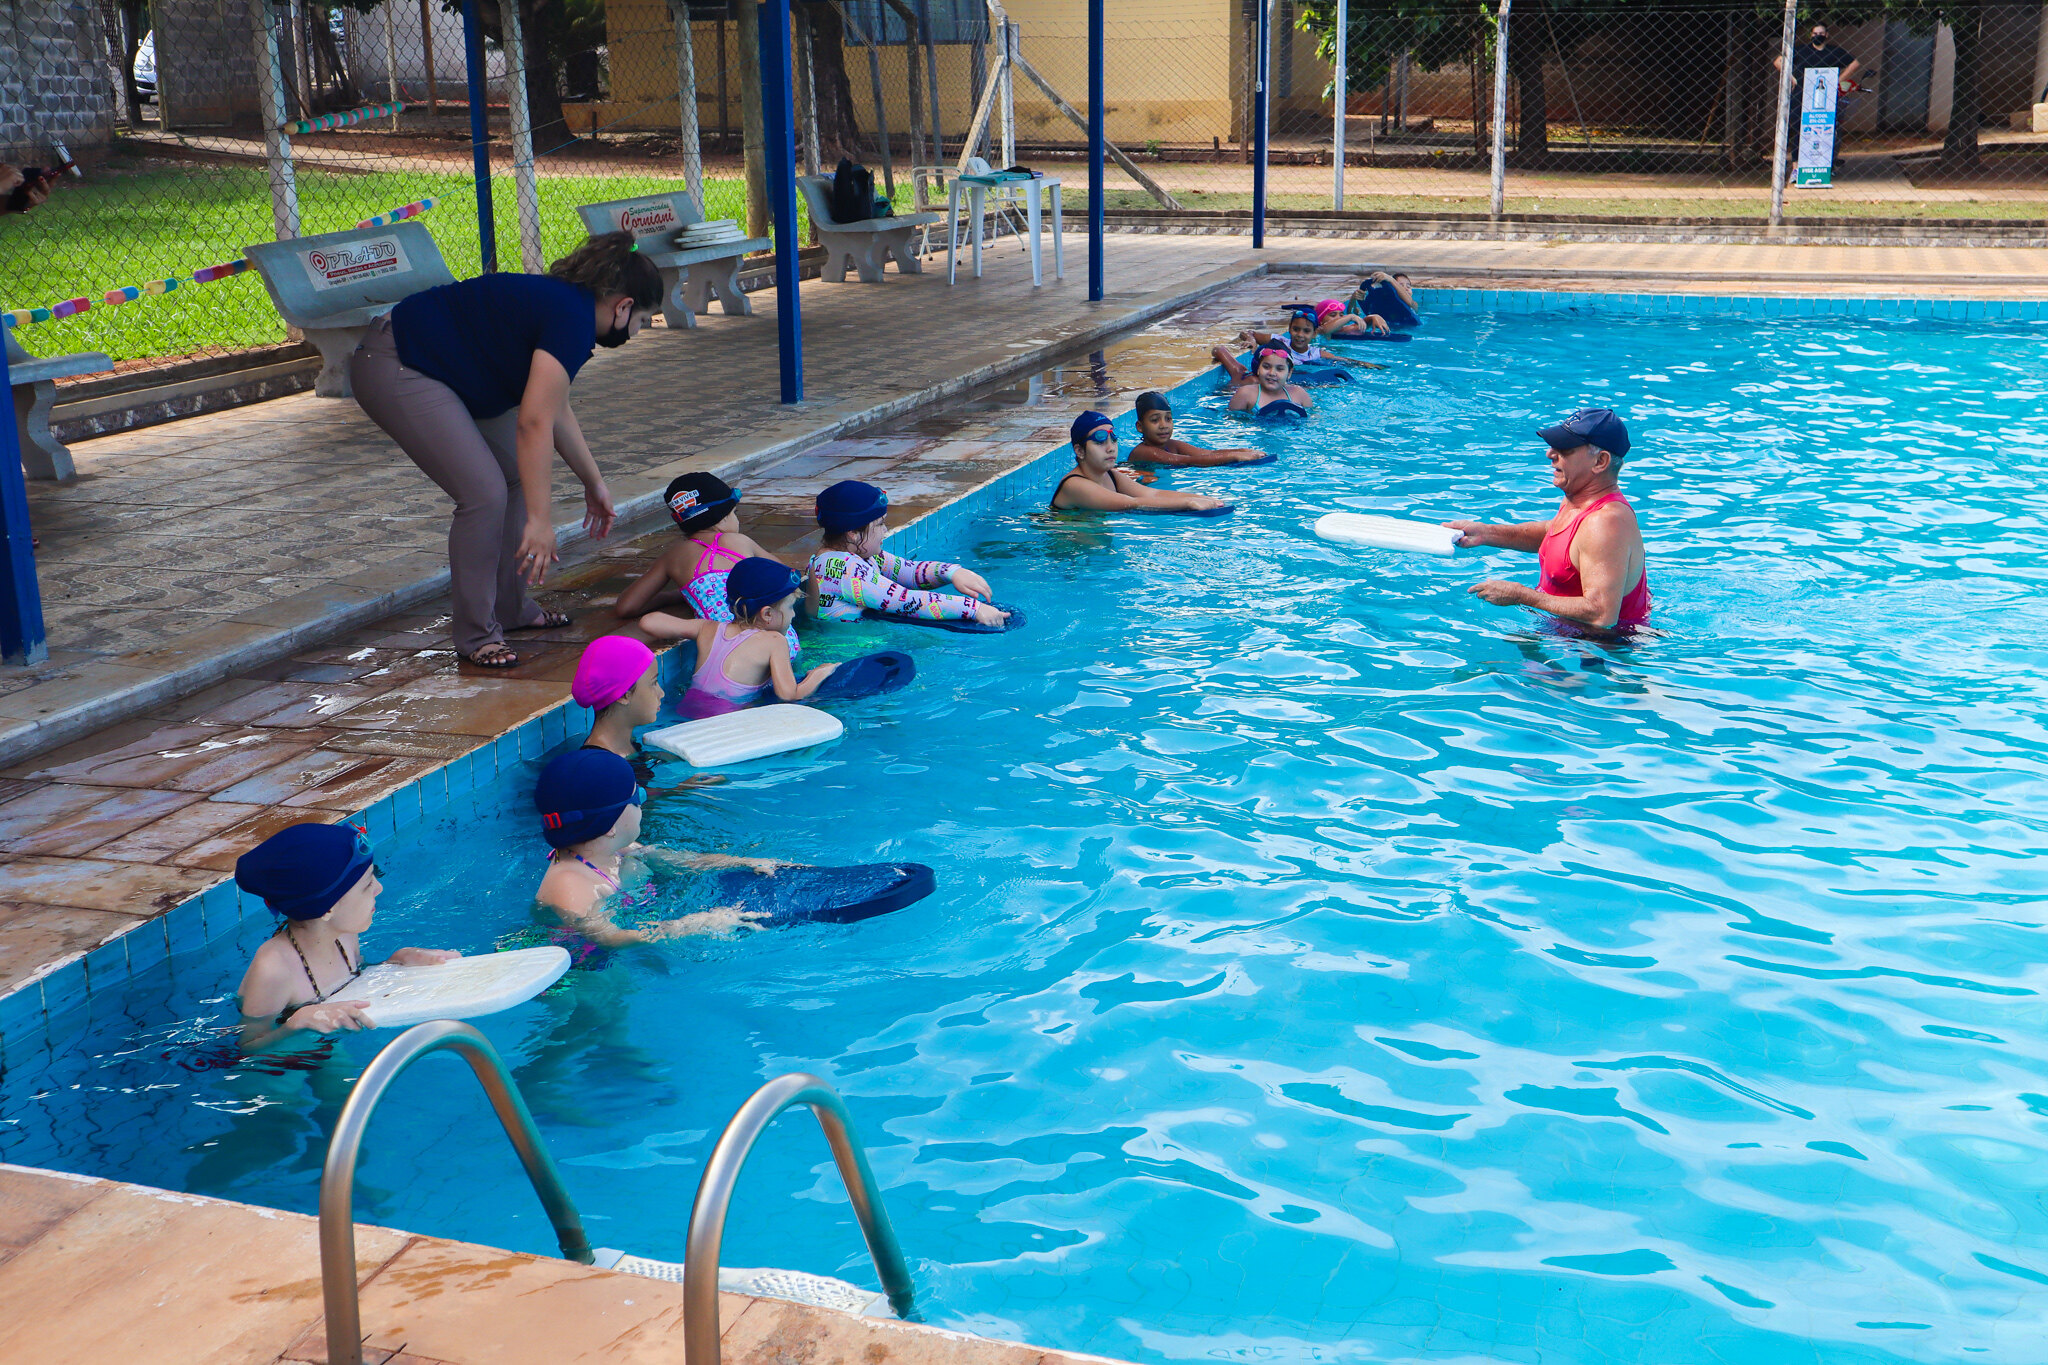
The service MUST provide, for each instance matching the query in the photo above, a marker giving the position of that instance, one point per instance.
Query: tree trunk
(1966, 112)
(754, 131)
(328, 54)
(540, 31)
(1525, 63)
(838, 130)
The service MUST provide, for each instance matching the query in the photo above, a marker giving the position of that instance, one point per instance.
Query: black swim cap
(1153, 401)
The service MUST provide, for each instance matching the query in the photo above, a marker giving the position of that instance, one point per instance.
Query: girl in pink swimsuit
(692, 573)
(742, 657)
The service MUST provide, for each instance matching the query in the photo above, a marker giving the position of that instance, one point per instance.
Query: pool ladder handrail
(337, 1180)
(342, 1302)
(722, 1173)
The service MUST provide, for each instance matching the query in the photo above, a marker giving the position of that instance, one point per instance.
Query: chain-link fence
(204, 125)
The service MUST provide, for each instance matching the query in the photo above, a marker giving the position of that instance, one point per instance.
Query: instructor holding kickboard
(1591, 550)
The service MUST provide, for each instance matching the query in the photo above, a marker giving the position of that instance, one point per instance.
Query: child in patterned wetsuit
(854, 574)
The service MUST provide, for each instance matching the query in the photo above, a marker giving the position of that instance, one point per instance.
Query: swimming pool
(1327, 965)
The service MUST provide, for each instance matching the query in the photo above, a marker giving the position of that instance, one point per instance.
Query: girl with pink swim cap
(617, 678)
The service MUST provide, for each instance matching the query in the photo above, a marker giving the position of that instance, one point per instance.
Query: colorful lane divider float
(128, 293)
(326, 121)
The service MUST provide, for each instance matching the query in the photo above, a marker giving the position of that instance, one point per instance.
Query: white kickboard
(1388, 533)
(798, 1286)
(755, 732)
(399, 997)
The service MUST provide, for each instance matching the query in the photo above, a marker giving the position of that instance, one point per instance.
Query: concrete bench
(34, 381)
(333, 286)
(867, 245)
(690, 276)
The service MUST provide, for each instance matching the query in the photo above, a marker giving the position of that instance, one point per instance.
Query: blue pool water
(1326, 965)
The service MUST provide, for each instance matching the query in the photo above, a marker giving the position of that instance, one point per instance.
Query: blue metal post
(779, 126)
(1095, 139)
(479, 134)
(21, 600)
(1262, 68)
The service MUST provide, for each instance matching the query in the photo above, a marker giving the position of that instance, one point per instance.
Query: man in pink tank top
(1591, 552)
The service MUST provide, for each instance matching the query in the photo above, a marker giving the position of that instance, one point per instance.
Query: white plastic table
(977, 189)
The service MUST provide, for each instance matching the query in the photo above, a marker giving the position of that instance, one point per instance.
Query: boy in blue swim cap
(322, 884)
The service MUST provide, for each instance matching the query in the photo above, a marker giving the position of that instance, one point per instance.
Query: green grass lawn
(162, 219)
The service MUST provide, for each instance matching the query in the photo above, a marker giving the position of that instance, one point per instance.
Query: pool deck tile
(94, 1272)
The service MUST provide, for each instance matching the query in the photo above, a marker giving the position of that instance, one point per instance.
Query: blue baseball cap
(581, 794)
(1087, 424)
(303, 869)
(1589, 427)
(850, 504)
(755, 582)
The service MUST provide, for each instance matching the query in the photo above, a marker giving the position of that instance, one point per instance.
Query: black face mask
(615, 337)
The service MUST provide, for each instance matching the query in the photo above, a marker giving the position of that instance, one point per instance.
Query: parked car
(145, 66)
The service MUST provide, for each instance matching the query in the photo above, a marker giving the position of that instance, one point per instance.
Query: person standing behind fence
(472, 380)
(1816, 51)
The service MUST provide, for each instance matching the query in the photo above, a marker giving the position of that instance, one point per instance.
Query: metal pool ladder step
(699, 1273)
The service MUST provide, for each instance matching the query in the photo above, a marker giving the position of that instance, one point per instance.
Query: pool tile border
(1665, 304)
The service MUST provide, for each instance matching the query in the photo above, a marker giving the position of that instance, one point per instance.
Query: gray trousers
(476, 463)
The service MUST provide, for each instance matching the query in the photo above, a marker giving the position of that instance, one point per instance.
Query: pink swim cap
(1326, 308)
(611, 664)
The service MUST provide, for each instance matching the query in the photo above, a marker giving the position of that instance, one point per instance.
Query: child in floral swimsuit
(692, 573)
(854, 574)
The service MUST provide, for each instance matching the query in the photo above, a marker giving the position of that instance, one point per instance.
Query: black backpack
(853, 193)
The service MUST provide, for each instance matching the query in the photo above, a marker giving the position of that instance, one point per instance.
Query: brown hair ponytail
(608, 265)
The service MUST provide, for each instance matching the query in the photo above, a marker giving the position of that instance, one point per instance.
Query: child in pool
(1305, 332)
(1156, 443)
(853, 573)
(1386, 299)
(1096, 484)
(746, 655)
(691, 573)
(590, 815)
(320, 879)
(1266, 383)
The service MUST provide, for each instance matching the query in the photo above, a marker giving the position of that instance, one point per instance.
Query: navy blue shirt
(478, 336)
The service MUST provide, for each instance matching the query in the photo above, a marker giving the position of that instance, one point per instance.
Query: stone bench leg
(336, 345)
(43, 456)
(841, 251)
(896, 246)
(719, 279)
(677, 308)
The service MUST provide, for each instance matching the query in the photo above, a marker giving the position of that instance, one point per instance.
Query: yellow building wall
(1175, 72)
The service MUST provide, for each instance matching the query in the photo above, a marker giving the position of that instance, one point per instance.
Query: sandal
(497, 654)
(549, 620)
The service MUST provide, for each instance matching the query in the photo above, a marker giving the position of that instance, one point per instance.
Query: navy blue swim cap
(850, 504)
(1087, 424)
(699, 500)
(755, 582)
(303, 869)
(582, 794)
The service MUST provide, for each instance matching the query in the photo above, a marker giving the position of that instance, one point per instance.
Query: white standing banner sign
(1817, 125)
